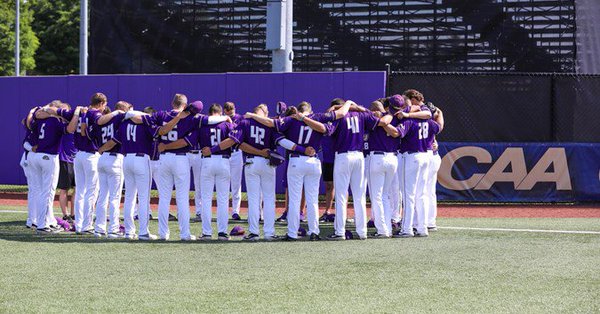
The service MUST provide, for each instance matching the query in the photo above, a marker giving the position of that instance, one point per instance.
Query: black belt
(435, 152)
(383, 153)
(195, 152)
(137, 154)
(295, 155)
(113, 154)
(410, 153)
(178, 154)
(350, 151)
(255, 156)
(222, 156)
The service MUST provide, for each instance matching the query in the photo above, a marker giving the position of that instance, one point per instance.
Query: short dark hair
(228, 106)
(215, 108)
(337, 101)
(149, 109)
(97, 99)
(413, 93)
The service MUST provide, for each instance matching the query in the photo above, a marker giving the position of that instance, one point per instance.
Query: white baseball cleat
(113, 235)
(99, 235)
(130, 236)
(147, 237)
(190, 238)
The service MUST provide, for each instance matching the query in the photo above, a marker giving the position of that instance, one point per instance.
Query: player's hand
(206, 151)
(310, 151)
(248, 115)
(34, 148)
(265, 153)
(84, 109)
(161, 147)
(377, 114)
(298, 116)
(228, 119)
(435, 145)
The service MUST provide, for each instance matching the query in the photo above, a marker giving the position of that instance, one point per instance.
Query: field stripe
(12, 211)
(521, 230)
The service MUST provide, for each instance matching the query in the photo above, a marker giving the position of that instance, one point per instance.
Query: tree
(29, 41)
(57, 26)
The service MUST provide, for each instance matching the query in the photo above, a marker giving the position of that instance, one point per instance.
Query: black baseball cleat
(323, 218)
(172, 218)
(432, 229)
(198, 218)
(47, 230)
(236, 217)
(335, 237)
(251, 237)
(314, 237)
(223, 236)
(288, 238)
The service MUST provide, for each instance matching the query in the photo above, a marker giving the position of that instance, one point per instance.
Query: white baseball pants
(236, 165)
(86, 194)
(196, 164)
(435, 161)
(303, 171)
(110, 179)
(44, 172)
(413, 182)
(349, 172)
(173, 170)
(215, 172)
(260, 178)
(382, 170)
(138, 181)
(32, 191)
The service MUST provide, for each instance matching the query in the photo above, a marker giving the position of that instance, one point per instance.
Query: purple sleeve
(67, 114)
(325, 117)
(370, 120)
(200, 120)
(153, 119)
(403, 127)
(93, 117)
(276, 138)
(282, 124)
(192, 138)
(434, 127)
(237, 134)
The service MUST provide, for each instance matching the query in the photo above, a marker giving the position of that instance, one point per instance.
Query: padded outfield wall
(246, 90)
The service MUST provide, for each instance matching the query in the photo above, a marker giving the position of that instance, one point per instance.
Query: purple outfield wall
(246, 90)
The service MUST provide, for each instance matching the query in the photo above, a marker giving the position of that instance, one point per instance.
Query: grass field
(451, 271)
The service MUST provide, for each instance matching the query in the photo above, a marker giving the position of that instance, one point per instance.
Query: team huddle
(389, 148)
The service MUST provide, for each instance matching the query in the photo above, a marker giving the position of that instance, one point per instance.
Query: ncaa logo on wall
(554, 159)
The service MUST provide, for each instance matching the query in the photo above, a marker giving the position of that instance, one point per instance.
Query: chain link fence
(510, 107)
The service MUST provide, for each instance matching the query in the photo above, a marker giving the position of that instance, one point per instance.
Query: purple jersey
(49, 133)
(67, 148)
(211, 135)
(135, 138)
(380, 141)
(183, 128)
(82, 143)
(236, 118)
(255, 134)
(349, 131)
(417, 134)
(300, 133)
(104, 133)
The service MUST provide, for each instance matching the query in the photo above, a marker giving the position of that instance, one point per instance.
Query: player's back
(135, 138)
(49, 133)
(254, 134)
(348, 134)
(104, 133)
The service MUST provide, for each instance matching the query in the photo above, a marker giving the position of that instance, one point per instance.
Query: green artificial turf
(459, 271)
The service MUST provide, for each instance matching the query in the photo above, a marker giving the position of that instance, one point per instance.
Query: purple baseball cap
(281, 108)
(301, 232)
(237, 231)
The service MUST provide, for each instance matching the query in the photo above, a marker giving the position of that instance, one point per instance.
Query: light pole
(17, 40)
(83, 37)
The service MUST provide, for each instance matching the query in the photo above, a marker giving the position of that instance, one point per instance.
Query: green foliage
(29, 41)
(57, 26)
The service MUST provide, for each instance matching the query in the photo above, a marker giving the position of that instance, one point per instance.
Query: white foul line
(522, 230)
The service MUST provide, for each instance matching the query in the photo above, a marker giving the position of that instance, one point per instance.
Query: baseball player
(110, 175)
(154, 155)
(348, 135)
(196, 163)
(432, 169)
(215, 171)
(304, 168)
(413, 147)
(44, 169)
(66, 176)
(327, 165)
(236, 164)
(382, 164)
(174, 166)
(256, 140)
(28, 143)
(136, 143)
(86, 159)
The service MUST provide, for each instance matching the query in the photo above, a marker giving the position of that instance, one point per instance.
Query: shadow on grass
(16, 231)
